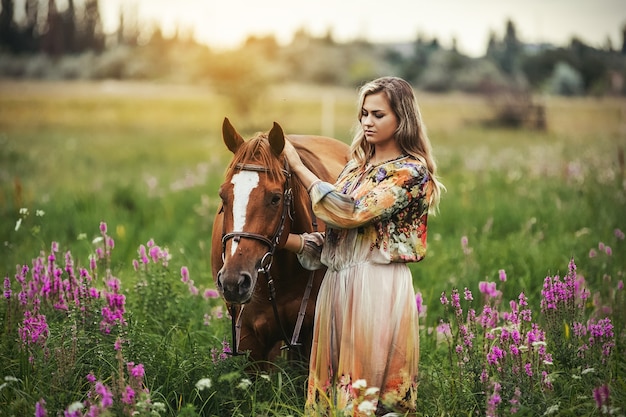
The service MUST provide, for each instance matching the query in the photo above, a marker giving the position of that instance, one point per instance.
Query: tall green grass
(148, 161)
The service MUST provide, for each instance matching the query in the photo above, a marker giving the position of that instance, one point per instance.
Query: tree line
(47, 42)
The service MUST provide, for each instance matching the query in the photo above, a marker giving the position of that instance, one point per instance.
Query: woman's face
(378, 121)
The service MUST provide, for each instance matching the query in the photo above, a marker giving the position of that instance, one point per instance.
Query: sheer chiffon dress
(366, 337)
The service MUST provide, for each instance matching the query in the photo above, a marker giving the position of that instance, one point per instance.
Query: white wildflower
(74, 407)
(10, 379)
(371, 391)
(97, 240)
(159, 407)
(539, 343)
(587, 371)
(359, 384)
(18, 223)
(367, 407)
(24, 211)
(82, 236)
(265, 377)
(551, 410)
(244, 384)
(39, 213)
(202, 384)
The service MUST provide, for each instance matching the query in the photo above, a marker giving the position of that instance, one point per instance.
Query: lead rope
(235, 320)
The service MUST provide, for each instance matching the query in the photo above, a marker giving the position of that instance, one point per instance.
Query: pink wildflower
(106, 397)
(502, 275)
(211, 293)
(184, 273)
(419, 301)
(40, 408)
(468, 295)
(128, 396)
(137, 371)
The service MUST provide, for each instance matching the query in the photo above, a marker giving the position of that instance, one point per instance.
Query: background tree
(53, 39)
(8, 30)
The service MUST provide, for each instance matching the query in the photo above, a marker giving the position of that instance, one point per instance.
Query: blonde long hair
(410, 135)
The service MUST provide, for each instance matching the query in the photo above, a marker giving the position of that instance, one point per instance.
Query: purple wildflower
(184, 273)
(419, 301)
(619, 234)
(211, 293)
(128, 396)
(494, 400)
(106, 397)
(103, 227)
(444, 299)
(456, 300)
(502, 275)
(602, 395)
(40, 408)
(488, 289)
(7, 287)
(528, 368)
(468, 295)
(444, 329)
(137, 371)
(494, 355)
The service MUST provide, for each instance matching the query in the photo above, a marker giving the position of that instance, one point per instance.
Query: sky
(227, 23)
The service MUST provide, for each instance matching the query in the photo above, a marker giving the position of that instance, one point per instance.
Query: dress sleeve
(384, 192)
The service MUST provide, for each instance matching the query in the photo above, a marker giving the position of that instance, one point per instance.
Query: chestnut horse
(270, 296)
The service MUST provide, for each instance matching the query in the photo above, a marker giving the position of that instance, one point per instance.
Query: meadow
(107, 196)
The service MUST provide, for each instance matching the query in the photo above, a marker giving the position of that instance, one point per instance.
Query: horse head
(256, 208)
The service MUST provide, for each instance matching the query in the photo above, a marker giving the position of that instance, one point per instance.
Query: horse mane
(257, 151)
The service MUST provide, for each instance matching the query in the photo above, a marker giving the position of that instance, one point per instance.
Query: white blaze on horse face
(244, 182)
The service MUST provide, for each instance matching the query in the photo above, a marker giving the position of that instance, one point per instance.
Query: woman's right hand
(293, 159)
(297, 166)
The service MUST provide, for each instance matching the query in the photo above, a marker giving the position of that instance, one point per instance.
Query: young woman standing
(365, 349)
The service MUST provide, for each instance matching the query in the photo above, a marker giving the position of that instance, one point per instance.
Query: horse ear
(276, 138)
(232, 139)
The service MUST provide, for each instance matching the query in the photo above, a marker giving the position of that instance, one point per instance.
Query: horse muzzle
(236, 286)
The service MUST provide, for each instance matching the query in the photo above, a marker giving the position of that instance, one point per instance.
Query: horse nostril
(245, 282)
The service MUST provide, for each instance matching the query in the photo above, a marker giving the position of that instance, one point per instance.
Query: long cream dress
(365, 350)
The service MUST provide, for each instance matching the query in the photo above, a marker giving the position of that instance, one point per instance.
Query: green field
(148, 159)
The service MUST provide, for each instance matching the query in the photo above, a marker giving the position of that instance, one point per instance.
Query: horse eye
(275, 199)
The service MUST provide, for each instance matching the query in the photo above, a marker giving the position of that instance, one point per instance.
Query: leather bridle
(266, 263)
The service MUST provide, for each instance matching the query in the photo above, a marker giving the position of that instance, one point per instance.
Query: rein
(266, 264)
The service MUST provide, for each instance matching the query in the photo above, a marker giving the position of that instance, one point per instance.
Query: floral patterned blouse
(378, 213)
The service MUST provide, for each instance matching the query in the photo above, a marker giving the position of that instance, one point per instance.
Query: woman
(366, 338)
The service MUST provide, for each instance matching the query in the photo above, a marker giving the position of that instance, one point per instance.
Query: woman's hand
(293, 159)
(297, 166)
